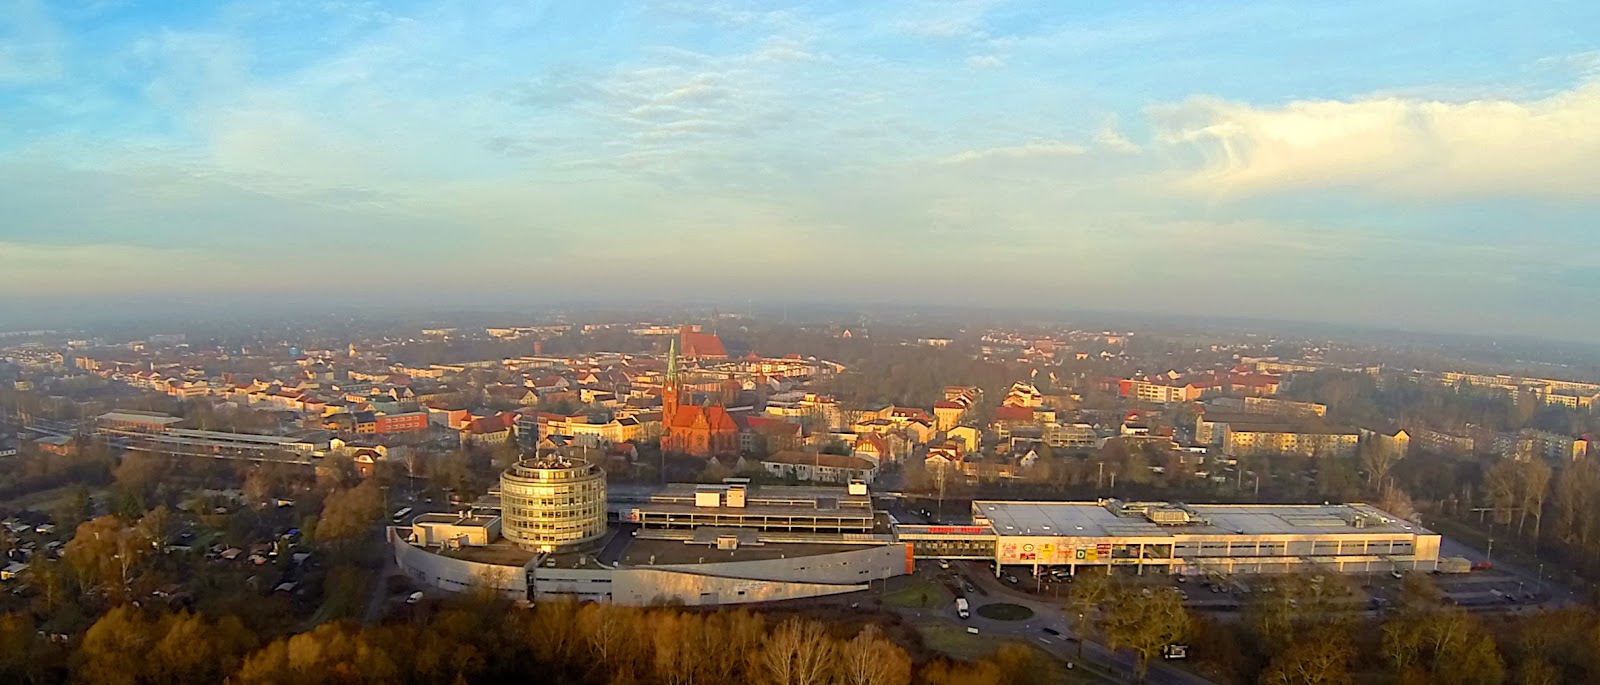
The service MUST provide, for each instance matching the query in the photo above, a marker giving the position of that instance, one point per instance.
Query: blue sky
(1428, 165)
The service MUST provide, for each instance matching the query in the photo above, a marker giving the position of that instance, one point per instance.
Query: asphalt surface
(1045, 615)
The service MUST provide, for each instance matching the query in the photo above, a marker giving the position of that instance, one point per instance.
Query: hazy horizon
(1252, 160)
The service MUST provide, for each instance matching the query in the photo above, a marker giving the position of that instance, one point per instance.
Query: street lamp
(1488, 555)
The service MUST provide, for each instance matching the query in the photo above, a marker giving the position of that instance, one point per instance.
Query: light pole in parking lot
(1488, 555)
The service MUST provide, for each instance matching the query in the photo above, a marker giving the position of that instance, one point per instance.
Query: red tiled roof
(701, 344)
(1013, 414)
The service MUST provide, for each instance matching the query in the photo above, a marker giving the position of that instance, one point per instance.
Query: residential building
(1438, 442)
(488, 430)
(408, 422)
(1241, 440)
(819, 468)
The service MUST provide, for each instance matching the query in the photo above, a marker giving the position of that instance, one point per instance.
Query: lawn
(956, 642)
(1001, 611)
(918, 594)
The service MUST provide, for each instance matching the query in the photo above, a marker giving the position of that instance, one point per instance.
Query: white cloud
(1548, 146)
(1110, 138)
(985, 62)
(1044, 149)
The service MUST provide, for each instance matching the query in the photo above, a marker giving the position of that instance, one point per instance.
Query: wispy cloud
(1112, 139)
(985, 62)
(1044, 149)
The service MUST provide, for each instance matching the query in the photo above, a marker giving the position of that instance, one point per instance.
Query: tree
(156, 526)
(350, 514)
(1320, 658)
(799, 652)
(139, 475)
(1444, 642)
(116, 647)
(870, 659)
(104, 553)
(1378, 458)
(1533, 481)
(1145, 625)
(1090, 589)
(1500, 485)
(330, 653)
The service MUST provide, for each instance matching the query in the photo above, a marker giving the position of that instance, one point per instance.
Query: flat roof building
(1182, 538)
(1206, 538)
(736, 503)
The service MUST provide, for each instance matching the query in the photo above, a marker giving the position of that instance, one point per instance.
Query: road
(1045, 615)
(379, 595)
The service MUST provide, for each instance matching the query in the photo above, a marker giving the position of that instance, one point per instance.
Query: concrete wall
(855, 566)
(643, 586)
(456, 575)
(690, 584)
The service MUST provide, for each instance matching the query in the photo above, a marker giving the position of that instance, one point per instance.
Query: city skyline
(1240, 158)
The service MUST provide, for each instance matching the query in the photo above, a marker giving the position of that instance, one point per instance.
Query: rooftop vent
(1167, 516)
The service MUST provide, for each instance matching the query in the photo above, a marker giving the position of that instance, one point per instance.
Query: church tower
(669, 391)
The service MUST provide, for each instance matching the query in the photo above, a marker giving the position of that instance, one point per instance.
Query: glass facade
(553, 503)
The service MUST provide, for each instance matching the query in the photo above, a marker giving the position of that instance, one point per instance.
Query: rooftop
(468, 519)
(1091, 519)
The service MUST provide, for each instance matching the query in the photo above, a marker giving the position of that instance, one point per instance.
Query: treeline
(1303, 631)
(478, 639)
(1367, 399)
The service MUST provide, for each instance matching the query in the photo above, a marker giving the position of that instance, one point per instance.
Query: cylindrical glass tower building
(553, 504)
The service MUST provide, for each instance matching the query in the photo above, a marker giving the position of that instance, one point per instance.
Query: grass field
(956, 642)
(1001, 611)
(48, 501)
(919, 594)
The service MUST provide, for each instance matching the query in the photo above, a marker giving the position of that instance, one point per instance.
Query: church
(701, 431)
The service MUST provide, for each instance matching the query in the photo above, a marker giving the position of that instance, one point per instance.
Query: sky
(1424, 165)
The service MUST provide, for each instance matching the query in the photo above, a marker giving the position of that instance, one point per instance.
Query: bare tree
(1533, 481)
(799, 652)
(870, 659)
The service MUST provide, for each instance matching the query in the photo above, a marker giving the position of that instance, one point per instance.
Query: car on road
(1011, 579)
(414, 597)
(944, 564)
(1052, 631)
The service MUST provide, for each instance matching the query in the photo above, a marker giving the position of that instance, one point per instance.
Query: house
(1023, 394)
(818, 467)
(488, 430)
(1028, 460)
(943, 455)
(872, 447)
(765, 435)
(967, 436)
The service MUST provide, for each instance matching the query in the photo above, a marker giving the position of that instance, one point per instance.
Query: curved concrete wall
(856, 566)
(642, 586)
(690, 584)
(457, 575)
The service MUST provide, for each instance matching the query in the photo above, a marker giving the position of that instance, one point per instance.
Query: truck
(1455, 565)
(961, 608)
